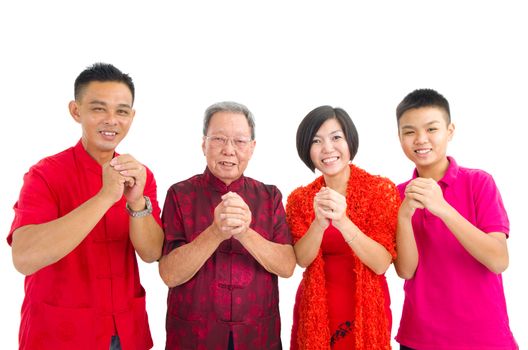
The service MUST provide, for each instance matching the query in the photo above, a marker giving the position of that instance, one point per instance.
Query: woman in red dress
(344, 226)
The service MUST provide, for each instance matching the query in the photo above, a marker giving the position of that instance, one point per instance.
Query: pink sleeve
(490, 213)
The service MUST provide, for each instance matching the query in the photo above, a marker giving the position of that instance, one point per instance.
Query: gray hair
(229, 106)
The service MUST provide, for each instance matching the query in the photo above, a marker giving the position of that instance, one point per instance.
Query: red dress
(340, 285)
(341, 303)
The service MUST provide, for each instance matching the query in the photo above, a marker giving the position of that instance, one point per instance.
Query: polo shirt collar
(450, 174)
(219, 186)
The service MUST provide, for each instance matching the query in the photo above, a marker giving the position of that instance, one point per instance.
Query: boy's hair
(423, 98)
(311, 124)
(102, 72)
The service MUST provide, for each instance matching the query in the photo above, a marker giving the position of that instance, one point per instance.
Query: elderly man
(226, 241)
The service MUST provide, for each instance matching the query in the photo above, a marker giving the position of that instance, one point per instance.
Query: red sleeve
(281, 230)
(172, 222)
(150, 191)
(37, 204)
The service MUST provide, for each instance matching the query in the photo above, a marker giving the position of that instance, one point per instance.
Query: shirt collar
(450, 174)
(220, 186)
(85, 160)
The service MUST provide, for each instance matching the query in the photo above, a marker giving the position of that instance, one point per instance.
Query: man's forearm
(37, 246)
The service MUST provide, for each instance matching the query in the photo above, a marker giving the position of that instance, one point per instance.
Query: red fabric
(372, 204)
(80, 301)
(232, 291)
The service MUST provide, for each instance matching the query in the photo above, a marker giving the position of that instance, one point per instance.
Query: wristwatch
(145, 212)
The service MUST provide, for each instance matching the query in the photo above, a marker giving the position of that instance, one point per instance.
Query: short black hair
(311, 124)
(423, 98)
(101, 72)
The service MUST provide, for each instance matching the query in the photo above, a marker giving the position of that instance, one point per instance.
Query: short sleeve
(37, 203)
(281, 230)
(172, 222)
(490, 212)
(151, 192)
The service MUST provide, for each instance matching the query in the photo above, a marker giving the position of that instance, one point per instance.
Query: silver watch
(145, 212)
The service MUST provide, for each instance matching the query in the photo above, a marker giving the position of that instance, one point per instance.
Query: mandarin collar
(450, 174)
(219, 186)
(85, 160)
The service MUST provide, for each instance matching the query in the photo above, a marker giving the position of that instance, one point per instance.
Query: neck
(338, 182)
(101, 157)
(434, 171)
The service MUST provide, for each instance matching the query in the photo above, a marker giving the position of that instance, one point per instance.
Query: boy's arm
(490, 249)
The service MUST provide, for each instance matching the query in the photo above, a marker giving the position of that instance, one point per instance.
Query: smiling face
(104, 110)
(228, 161)
(329, 152)
(424, 135)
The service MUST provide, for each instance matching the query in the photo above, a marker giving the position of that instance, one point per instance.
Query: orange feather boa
(372, 204)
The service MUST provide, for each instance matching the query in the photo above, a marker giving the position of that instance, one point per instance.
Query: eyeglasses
(240, 143)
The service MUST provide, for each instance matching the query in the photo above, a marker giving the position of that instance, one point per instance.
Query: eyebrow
(332, 133)
(98, 102)
(426, 124)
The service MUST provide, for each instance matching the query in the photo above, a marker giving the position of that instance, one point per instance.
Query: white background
(281, 59)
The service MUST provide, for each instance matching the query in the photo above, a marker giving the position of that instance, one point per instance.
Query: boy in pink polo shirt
(451, 240)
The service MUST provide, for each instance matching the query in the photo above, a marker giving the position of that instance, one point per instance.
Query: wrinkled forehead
(229, 123)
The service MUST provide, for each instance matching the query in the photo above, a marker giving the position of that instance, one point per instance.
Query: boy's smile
(424, 135)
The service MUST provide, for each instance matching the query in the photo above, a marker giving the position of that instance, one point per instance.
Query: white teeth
(328, 160)
(108, 133)
(227, 163)
(422, 151)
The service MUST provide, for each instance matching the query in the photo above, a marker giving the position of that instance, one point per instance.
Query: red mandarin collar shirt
(232, 291)
(94, 292)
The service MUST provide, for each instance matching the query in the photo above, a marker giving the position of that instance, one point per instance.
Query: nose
(327, 146)
(421, 138)
(110, 118)
(229, 146)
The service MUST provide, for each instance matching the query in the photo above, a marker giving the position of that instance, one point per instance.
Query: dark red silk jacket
(232, 291)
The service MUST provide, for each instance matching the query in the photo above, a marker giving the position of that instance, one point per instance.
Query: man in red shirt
(72, 236)
(226, 241)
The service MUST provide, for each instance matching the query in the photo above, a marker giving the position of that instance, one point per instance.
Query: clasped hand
(329, 205)
(232, 216)
(124, 175)
(423, 193)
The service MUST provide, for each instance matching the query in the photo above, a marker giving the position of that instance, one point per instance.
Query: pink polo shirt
(453, 301)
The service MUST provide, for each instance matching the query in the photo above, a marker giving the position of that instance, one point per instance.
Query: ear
(253, 144)
(203, 145)
(450, 131)
(74, 111)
